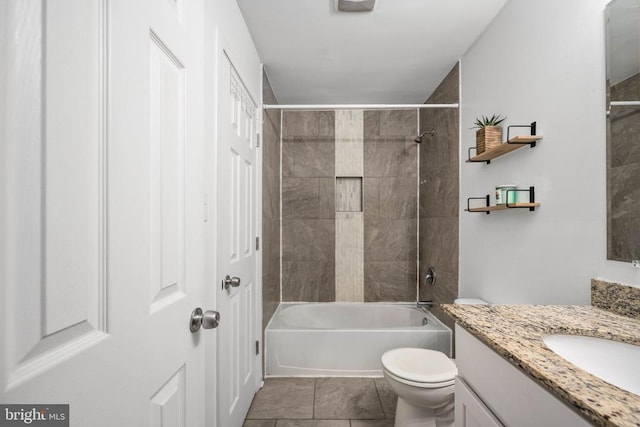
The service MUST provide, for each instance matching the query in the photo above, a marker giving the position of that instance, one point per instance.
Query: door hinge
(257, 243)
(257, 140)
(257, 348)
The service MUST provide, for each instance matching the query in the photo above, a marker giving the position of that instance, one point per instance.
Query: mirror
(623, 129)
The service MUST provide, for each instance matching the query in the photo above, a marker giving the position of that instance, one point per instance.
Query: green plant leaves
(483, 121)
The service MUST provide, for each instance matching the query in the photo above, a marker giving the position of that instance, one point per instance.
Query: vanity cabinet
(492, 392)
(470, 411)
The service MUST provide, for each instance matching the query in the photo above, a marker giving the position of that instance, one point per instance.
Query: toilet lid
(419, 365)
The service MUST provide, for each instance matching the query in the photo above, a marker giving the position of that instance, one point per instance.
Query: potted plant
(489, 133)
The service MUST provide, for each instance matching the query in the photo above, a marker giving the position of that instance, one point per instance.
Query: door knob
(209, 319)
(234, 282)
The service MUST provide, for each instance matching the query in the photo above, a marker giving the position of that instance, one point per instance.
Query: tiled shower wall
(379, 233)
(390, 205)
(439, 202)
(270, 205)
(308, 206)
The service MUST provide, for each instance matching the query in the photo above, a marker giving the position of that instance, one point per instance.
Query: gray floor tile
(259, 423)
(347, 398)
(388, 398)
(283, 398)
(372, 423)
(312, 423)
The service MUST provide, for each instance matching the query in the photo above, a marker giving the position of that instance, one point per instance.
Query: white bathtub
(346, 339)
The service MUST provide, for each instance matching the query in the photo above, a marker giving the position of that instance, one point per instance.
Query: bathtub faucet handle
(430, 277)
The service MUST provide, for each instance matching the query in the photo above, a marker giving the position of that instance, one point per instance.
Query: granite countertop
(516, 332)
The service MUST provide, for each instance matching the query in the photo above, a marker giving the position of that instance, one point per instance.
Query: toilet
(424, 382)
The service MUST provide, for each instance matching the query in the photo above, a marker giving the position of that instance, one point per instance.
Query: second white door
(238, 358)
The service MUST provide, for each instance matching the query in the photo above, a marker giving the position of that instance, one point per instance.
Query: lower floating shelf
(532, 205)
(488, 209)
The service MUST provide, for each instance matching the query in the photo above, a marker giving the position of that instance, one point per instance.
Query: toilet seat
(419, 367)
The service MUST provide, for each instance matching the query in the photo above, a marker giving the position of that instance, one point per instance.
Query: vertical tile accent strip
(349, 155)
(349, 143)
(350, 256)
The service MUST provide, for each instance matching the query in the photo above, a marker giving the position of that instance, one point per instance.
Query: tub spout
(424, 304)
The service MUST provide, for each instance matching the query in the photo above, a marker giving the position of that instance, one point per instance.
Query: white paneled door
(238, 361)
(101, 218)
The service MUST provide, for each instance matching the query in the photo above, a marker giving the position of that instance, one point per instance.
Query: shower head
(426, 132)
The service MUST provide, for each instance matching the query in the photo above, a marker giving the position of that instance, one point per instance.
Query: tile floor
(323, 402)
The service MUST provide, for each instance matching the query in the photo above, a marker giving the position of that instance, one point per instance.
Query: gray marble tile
(347, 398)
(389, 281)
(308, 124)
(268, 97)
(390, 240)
(310, 281)
(442, 147)
(309, 158)
(410, 157)
(300, 198)
(625, 129)
(270, 144)
(626, 90)
(398, 197)
(371, 199)
(259, 423)
(625, 244)
(447, 91)
(371, 120)
(388, 398)
(384, 157)
(288, 160)
(283, 398)
(398, 123)
(439, 192)
(313, 423)
(308, 239)
(327, 198)
(270, 193)
(270, 268)
(326, 123)
(300, 123)
(625, 197)
(439, 243)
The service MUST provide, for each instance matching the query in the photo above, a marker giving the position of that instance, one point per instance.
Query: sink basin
(611, 361)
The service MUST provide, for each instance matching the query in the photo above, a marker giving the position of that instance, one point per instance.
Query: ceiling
(398, 53)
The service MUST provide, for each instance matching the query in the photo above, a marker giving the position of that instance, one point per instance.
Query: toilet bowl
(424, 382)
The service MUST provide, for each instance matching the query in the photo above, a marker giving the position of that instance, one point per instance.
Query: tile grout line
(379, 399)
(313, 406)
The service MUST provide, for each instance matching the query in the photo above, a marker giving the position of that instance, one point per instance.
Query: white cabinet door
(101, 209)
(469, 409)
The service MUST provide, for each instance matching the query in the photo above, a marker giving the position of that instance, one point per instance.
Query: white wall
(541, 61)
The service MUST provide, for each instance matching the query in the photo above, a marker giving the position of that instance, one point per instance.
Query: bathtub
(346, 339)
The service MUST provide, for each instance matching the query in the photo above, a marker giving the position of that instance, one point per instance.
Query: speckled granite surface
(615, 297)
(516, 332)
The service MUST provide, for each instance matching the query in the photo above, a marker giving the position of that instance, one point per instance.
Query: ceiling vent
(355, 5)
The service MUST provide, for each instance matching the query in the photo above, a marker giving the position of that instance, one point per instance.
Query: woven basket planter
(487, 138)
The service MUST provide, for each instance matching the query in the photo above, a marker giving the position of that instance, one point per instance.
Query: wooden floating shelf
(514, 143)
(503, 207)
